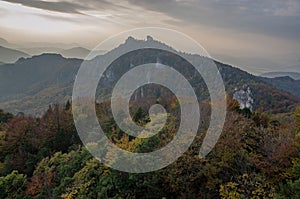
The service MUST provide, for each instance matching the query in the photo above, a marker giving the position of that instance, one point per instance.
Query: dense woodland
(257, 156)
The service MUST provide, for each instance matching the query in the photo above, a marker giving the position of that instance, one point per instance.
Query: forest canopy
(257, 156)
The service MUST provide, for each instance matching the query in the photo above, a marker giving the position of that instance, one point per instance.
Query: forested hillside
(42, 156)
(30, 84)
(257, 156)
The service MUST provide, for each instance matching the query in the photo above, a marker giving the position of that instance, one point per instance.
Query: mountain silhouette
(31, 84)
(77, 52)
(293, 75)
(8, 55)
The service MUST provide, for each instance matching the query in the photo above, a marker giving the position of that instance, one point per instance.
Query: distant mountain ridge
(40, 50)
(66, 50)
(31, 84)
(293, 75)
(4, 42)
(8, 55)
(76, 52)
(284, 83)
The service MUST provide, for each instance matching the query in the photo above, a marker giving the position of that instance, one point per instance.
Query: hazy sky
(256, 35)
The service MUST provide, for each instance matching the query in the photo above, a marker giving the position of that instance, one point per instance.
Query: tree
(68, 105)
(20, 141)
(12, 185)
(53, 175)
(292, 188)
(140, 116)
(247, 186)
(4, 117)
(89, 182)
(297, 116)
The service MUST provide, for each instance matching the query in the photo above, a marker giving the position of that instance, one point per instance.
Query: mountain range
(3, 42)
(31, 84)
(8, 55)
(293, 75)
(10, 52)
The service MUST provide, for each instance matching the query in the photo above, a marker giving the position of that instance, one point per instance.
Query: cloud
(68, 6)
(269, 17)
(2, 12)
(266, 28)
(65, 7)
(59, 18)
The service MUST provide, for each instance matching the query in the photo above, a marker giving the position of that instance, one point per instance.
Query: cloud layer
(244, 28)
(271, 17)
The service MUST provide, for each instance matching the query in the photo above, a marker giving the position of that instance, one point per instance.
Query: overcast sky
(256, 35)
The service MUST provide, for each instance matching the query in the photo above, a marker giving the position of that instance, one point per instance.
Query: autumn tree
(12, 185)
(247, 186)
(53, 175)
(292, 187)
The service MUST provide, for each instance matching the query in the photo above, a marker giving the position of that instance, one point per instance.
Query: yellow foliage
(229, 191)
(128, 145)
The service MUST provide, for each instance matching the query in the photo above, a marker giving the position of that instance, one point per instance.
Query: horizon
(70, 46)
(256, 37)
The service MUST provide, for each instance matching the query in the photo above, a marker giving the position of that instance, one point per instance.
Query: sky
(255, 35)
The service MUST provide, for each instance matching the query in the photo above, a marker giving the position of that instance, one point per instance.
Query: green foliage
(5, 117)
(68, 105)
(230, 191)
(53, 175)
(140, 116)
(246, 112)
(247, 186)
(89, 182)
(142, 185)
(149, 144)
(255, 157)
(291, 188)
(28, 140)
(297, 116)
(12, 185)
(261, 119)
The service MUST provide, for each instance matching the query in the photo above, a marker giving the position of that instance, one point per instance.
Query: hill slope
(31, 84)
(285, 84)
(293, 75)
(8, 55)
(77, 52)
